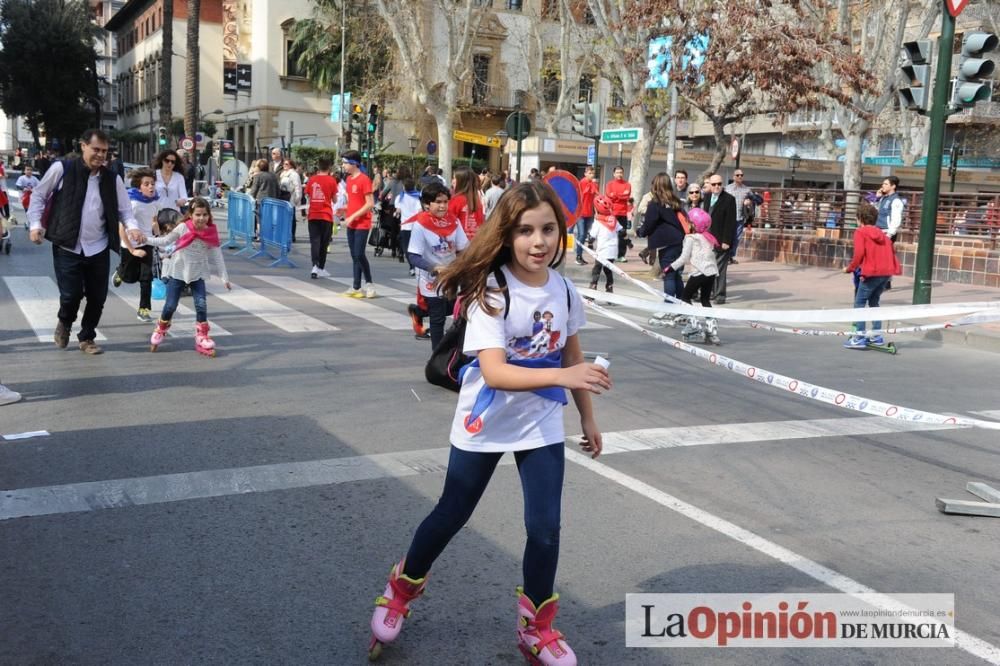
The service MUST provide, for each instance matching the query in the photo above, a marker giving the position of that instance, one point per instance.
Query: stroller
(6, 223)
(385, 235)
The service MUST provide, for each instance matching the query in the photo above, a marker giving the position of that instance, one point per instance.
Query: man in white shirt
(87, 203)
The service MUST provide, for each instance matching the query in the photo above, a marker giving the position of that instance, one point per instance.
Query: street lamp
(793, 163)
(503, 136)
(413, 141)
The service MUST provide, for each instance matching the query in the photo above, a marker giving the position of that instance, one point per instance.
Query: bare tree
(191, 80)
(434, 41)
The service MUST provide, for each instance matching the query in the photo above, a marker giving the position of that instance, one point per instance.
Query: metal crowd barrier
(240, 216)
(276, 232)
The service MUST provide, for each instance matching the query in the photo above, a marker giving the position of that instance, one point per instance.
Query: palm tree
(191, 80)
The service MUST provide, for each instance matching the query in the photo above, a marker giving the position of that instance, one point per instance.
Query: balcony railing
(477, 95)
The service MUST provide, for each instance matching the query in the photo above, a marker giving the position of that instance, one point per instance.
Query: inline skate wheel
(374, 649)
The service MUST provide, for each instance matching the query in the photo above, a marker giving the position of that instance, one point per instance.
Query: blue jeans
(673, 285)
(869, 291)
(77, 276)
(174, 288)
(580, 231)
(541, 472)
(356, 241)
(438, 309)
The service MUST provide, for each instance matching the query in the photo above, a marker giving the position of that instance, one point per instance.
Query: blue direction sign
(591, 154)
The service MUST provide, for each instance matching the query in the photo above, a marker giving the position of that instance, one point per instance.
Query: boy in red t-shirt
(620, 191)
(360, 202)
(322, 193)
(588, 190)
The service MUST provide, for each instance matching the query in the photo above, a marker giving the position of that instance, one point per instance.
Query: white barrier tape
(781, 316)
(969, 320)
(802, 388)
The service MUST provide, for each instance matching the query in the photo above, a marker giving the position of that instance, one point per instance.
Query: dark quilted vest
(67, 205)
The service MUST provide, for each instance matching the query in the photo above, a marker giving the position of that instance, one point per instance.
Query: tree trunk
(166, 66)
(191, 81)
(445, 126)
(719, 132)
(853, 157)
(642, 153)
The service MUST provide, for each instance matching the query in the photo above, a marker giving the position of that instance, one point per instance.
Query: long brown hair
(490, 248)
(663, 191)
(467, 183)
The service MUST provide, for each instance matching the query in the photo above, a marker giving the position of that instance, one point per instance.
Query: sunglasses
(738, 175)
(716, 184)
(170, 161)
(694, 191)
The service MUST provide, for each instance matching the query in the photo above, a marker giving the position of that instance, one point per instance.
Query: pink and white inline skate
(203, 344)
(392, 608)
(540, 644)
(159, 333)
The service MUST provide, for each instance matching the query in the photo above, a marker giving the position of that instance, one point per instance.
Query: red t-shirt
(619, 192)
(458, 206)
(359, 186)
(588, 190)
(322, 192)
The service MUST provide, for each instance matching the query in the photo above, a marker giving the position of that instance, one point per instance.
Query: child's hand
(139, 253)
(593, 442)
(586, 376)
(668, 269)
(229, 287)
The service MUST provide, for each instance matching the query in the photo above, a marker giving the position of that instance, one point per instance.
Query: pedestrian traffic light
(162, 134)
(973, 68)
(914, 94)
(581, 117)
(372, 118)
(355, 120)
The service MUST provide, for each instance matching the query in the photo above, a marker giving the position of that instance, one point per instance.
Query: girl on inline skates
(197, 254)
(511, 399)
(699, 250)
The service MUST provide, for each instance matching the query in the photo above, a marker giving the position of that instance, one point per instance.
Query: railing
(965, 216)
(485, 96)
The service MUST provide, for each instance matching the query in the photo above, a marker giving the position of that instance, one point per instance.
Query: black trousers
(75, 275)
(702, 285)
(320, 233)
(722, 261)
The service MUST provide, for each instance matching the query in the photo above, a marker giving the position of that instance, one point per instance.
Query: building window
(586, 88)
(514, 5)
(890, 146)
(480, 78)
(292, 59)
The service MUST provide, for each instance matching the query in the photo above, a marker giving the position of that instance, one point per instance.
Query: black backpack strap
(569, 298)
(502, 285)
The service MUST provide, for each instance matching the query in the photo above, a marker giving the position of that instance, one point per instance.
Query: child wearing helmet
(604, 233)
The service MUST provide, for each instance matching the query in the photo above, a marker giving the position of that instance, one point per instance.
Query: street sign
(955, 7)
(480, 139)
(187, 143)
(511, 125)
(432, 147)
(734, 148)
(337, 109)
(591, 154)
(621, 135)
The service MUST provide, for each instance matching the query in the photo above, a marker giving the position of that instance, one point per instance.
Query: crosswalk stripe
(38, 298)
(355, 306)
(182, 323)
(380, 288)
(121, 493)
(274, 313)
(988, 413)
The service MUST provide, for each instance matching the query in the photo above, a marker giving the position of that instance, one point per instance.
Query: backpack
(447, 360)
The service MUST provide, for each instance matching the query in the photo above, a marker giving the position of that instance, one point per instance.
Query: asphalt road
(247, 508)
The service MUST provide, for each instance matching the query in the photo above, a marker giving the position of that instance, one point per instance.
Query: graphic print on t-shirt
(542, 341)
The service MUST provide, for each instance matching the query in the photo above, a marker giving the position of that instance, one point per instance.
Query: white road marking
(380, 288)
(182, 324)
(988, 413)
(38, 298)
(269, 310)
(838, 581)
(359, 307)
(26, 435)
(94, 495)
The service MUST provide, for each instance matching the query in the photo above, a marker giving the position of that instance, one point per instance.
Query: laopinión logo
(789, 620)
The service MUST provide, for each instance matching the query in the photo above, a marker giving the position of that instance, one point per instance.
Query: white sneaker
(370, 290)
(314, 273)
(323, 273)
(7, 396)
(413, 272)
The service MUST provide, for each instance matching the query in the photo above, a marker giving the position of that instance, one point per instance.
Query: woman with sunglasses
(693, 199)
(170, 181)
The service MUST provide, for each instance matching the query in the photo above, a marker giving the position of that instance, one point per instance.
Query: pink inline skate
(392, 608)
(202, 342)
(159, 333)
(540, 644)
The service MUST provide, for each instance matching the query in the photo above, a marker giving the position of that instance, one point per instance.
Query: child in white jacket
(604, 233)
(699, 252)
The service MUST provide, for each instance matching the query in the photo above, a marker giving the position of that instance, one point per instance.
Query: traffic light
(973, 68)
(162, 134)
(372, 118)
(581, 119)
(356, 112)
(914, 94)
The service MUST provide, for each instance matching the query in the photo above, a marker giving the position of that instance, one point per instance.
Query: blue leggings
(541, 472)
(357, 239)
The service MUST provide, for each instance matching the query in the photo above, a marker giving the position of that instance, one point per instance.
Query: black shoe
(733, 261)
(426, 335)
(720, 301)
(580, 261)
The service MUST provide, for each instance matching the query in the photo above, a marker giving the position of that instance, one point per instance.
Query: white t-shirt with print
(437, 250)
(537, 325)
